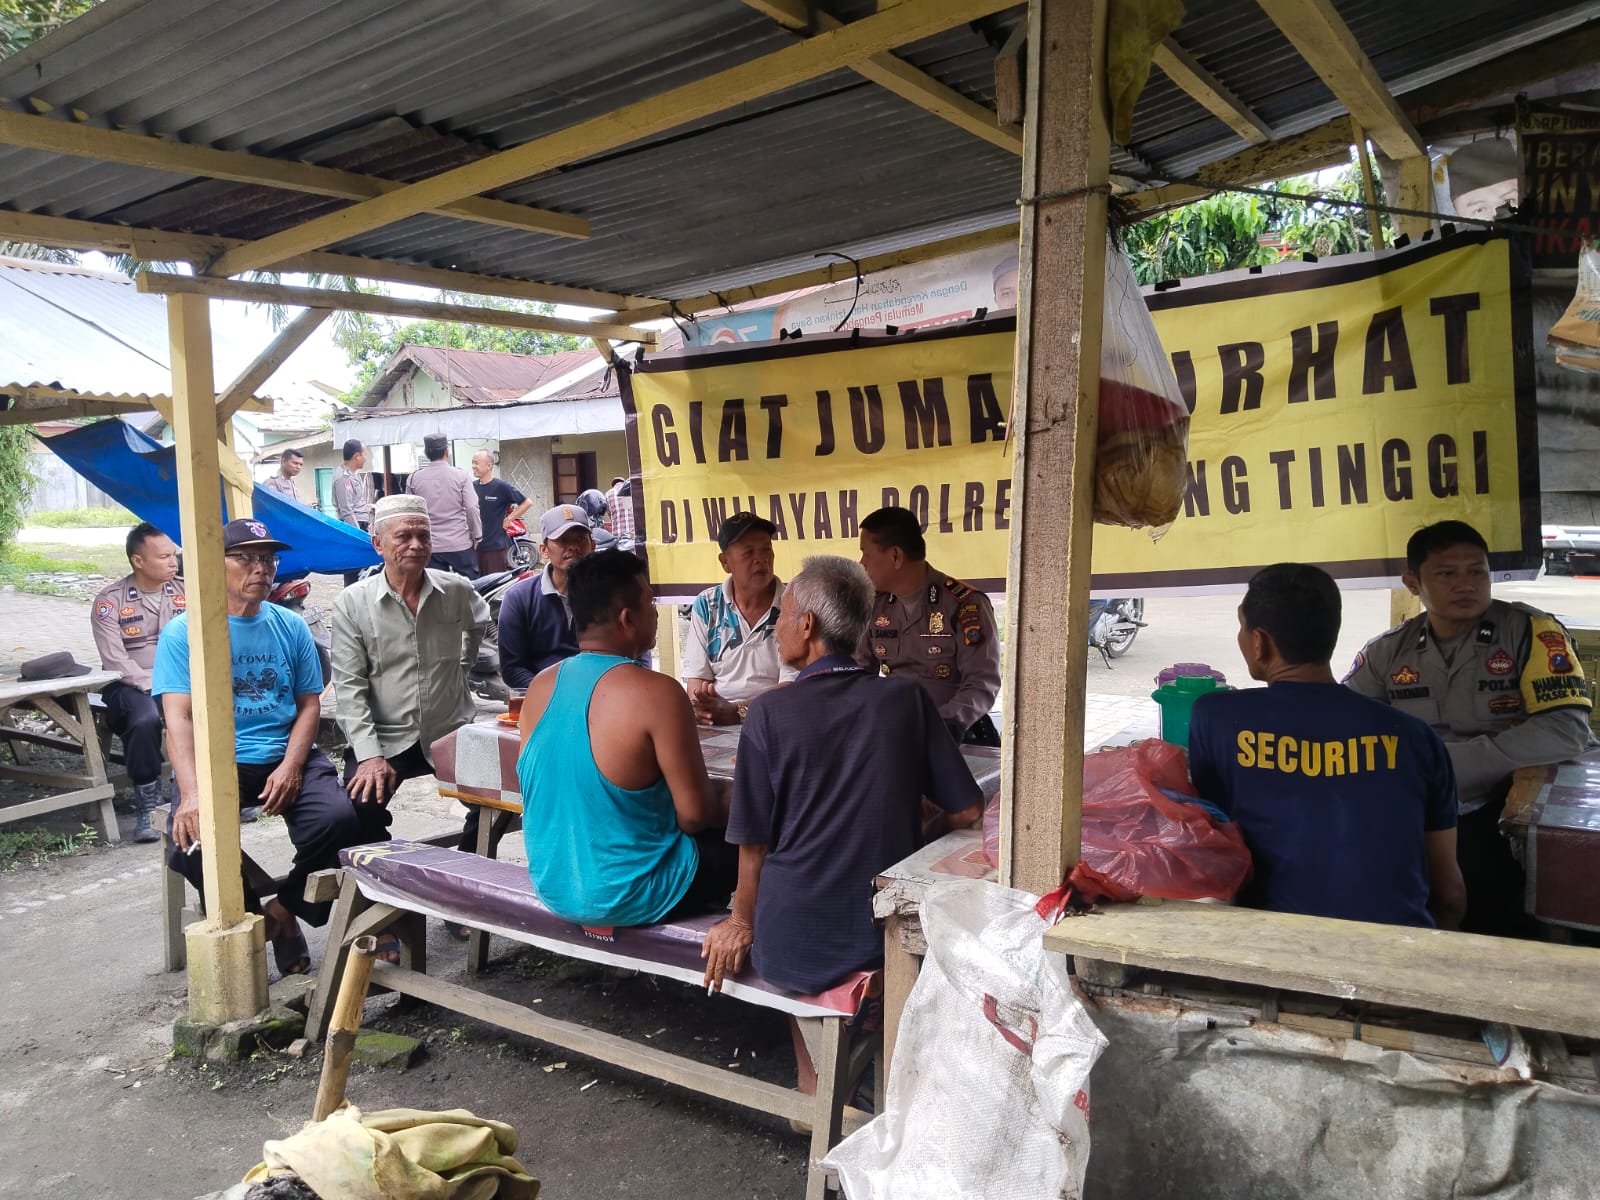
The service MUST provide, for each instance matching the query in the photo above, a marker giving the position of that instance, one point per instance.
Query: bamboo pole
(345, 1025)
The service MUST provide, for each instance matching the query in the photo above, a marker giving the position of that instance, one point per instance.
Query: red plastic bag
(1139, 841)
(1143, 442)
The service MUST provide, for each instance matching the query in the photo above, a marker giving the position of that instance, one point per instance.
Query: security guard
(127, 618)
(930, 626)
(1498, 682)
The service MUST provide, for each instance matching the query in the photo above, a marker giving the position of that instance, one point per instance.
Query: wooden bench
(1532, 985)
(176, 911)
(395, 886)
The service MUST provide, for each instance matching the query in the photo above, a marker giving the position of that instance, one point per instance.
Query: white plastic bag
(988, 1094)
(1576, 336)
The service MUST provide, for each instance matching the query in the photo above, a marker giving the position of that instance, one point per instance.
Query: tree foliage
(369, 341)
(1236, 229)
(26, 21)
(16, 479)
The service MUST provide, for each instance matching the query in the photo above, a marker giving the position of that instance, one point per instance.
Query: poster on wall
(1560, 184)
(1335, 408)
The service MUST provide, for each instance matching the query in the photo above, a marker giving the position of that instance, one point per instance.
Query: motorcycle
(293, 593)
(524, 552)
(484, 678)
(1113, 624)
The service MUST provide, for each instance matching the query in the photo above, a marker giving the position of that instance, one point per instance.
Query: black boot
(146, 798)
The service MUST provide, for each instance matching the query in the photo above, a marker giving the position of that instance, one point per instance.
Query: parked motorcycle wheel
(1122, 636)
(524, 553)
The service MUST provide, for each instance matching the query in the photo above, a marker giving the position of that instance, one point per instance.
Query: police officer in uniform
(127, 618)
(930, 626)
(1498, 682)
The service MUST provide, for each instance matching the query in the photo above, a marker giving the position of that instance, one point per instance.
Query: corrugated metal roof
(476, 376)
(92, 333)
(405, 88)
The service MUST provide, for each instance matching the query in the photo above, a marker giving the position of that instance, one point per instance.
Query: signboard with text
(1336, 407)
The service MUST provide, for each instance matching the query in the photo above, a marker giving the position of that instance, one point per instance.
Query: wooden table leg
(900, 969)
(95, 761)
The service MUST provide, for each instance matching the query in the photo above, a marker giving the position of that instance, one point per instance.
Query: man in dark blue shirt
(832, 770)
(1348, 806)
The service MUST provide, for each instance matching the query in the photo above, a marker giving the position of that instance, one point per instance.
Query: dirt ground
(91, 1106)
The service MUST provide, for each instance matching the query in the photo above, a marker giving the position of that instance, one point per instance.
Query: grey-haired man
(403, 641)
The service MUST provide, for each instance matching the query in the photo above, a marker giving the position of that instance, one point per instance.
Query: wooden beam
(900, 77)
(159, 283)
(237, 477)
(1416, 192)
(289, 339)
(95, 405)
(157, 154)
(1055, 411)
(194, 427)
(716, 93)
(1318, 32)
(1325, 146)
(1180, 66)
(1008, 67)
(834, 272)
(159, 245)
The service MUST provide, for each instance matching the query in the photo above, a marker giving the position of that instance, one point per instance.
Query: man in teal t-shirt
(618, 815)
(277, 704)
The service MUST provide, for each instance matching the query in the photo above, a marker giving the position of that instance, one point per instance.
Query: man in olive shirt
(403, 641)
(929, 626)
(129, 616)
(452, 508)
(1498, 682)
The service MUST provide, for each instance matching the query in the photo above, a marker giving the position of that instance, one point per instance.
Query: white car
(1571, 549)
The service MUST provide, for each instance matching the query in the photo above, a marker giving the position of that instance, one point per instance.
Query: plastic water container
(1177, 701)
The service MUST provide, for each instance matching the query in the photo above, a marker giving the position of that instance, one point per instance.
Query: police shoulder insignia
(957, 589)
(103, 611)
(972, 635)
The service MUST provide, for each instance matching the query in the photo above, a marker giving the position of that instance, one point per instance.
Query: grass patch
(18, 561)
(35, 847)
(82, 518)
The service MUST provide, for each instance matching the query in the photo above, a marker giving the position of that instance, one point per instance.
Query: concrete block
(293, 991)
(392, 1050)
(227, 970)
(231, 1041)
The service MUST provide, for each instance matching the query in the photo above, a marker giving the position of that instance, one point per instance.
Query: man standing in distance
(930, 626)
(403, 641)
(1500, 684)
(129, 616)
(352, 494)
(619, 508)
(731, 655)
(282, 480)
(452, 508)
(499, 503)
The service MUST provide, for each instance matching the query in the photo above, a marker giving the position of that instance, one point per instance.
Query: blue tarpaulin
(142, 475)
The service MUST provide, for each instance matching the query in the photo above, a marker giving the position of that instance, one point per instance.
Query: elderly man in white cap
(403, 642)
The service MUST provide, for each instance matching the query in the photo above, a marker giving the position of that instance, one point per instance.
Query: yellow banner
(1335, 409)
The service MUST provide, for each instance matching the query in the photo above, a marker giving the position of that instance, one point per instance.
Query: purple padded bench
(394, 886)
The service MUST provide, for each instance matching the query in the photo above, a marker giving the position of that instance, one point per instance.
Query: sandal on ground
(292, 954)
(388, 950)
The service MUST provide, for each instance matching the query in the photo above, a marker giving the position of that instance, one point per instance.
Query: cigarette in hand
(193, 846)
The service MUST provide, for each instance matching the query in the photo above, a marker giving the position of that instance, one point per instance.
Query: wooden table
(1554, 812)
(54, 698)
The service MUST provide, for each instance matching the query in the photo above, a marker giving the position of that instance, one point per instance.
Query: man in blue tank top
(621, 824)
(1348, 805)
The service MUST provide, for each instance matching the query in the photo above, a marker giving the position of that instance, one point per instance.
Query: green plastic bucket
(1177, 702)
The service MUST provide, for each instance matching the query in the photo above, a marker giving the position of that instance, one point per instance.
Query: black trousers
(351, 576)
(462, 562)
(715, 877)
(1495, 880)
(322, 821)
(134, 716)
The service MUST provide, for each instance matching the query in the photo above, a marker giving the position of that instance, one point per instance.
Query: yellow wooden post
(670, 629)
(239, 499)
(1066, 169)
(1369, 186)
(1416, 192)
(227, 960)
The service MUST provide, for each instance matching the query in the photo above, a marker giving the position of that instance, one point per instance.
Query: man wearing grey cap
(731, 655)
(403, 641)
(535, 619)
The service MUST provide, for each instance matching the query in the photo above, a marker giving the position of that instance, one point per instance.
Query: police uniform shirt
(1508, 693)
(127, 625)
(943, 636)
